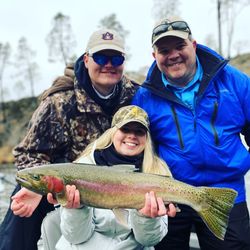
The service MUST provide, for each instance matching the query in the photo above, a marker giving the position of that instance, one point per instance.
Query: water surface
(7, 185)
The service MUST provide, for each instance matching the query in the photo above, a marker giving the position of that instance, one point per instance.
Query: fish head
(40, 181)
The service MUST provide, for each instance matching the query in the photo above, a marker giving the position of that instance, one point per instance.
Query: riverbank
(7, 184)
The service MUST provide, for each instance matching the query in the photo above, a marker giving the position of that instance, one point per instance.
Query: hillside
(242, 62)
(12, 130)
(18, 113)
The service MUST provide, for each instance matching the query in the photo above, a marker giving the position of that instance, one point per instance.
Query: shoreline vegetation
(14, 118)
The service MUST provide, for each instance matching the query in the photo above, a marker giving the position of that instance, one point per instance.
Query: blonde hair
(151, 162)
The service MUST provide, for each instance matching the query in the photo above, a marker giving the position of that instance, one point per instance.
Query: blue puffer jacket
(202, 148)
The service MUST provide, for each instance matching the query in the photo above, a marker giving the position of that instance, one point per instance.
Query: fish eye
(36, 177)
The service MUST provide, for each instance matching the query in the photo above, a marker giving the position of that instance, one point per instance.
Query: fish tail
(215, 214)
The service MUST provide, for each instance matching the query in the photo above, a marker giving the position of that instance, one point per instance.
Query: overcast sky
(33, 20)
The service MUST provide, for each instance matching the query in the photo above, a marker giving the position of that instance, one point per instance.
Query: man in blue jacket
(198, 105)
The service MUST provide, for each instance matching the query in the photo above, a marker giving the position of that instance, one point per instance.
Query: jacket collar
(86, 104)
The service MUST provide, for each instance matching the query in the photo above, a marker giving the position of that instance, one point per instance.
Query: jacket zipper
(213, 118)
(177, 126)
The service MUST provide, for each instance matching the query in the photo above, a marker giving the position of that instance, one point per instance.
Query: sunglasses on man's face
(177, 25)
(102, 60)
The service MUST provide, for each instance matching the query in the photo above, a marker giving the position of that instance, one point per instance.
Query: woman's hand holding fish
(73, 197)
(154, 207)
(24, 202)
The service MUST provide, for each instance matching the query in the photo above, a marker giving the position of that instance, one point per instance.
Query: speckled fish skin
(113, 187)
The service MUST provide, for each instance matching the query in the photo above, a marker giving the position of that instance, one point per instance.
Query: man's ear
(153, 54)
(194, 44)
(85, 60)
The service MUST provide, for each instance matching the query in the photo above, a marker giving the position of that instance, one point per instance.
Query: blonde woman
(126, 142)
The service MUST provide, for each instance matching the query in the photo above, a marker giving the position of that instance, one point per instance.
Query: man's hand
(24, 202)
(51, 199)
(154, 207)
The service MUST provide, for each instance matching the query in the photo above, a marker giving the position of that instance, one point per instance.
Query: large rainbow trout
(114, 187)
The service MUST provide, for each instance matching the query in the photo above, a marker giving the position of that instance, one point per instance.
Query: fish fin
(82, 162)
(215, 211)
(168, 174)
(121, 215)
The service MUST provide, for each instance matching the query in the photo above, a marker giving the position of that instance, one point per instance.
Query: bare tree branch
(165, 8)
(5, 51)
(25, 63)
(60, 40)
(230, 10)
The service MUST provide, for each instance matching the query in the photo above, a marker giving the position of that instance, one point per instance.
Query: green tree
(210, 41)
(139, 76)
(111, 22)
(219, 26)
(20, 89)
(165, 8)
(5, 51)
(25, 64)
(227, 12)
(240, 46)
(60, 40)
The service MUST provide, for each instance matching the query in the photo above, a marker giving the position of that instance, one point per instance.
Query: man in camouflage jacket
(72, 113)
(65, 123)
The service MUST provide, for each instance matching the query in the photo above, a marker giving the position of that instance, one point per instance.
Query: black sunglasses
(177, 25)
(102, 60)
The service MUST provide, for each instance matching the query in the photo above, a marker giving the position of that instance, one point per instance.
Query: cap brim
(121, 124)
(177, 33)
(106, 47)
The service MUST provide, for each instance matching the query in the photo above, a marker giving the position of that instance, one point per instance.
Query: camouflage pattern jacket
(65, 122)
